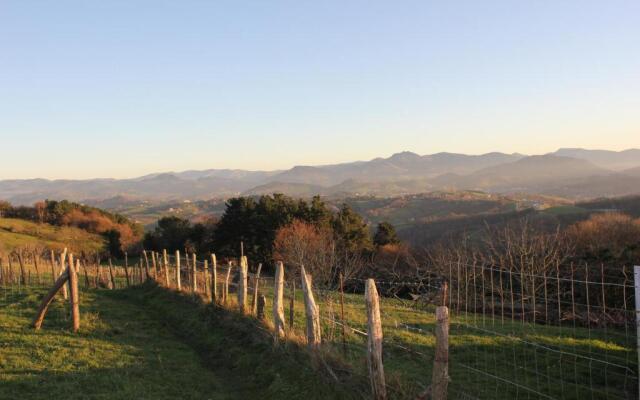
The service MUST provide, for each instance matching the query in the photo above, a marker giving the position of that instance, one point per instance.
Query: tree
(114, 246)
(171, 234)
(350, 230)
(4, 207)
(385, 234)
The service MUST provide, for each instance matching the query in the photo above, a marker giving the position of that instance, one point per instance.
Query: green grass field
(149, 342)
(17, 233)
(145, 343)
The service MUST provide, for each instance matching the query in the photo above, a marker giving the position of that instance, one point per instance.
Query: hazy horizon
(298, 165)
(123, 89)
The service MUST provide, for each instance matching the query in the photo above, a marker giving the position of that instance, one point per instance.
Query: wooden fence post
(214, 278)
(342, 322)
(146, 263)
(35, 264)
(154, 264)
(113, 280)
(256, 283)
(311, 311)
(440, 375)
(165, 261)
(374, 342)
(23, 274)
(73, 295)
(261, 303)
(225, 293)
(53, 266)
(126, 268)
(207, 289)
(194, 273)
(636, 280)
(178, 285)
(278, 297)
(242, 285)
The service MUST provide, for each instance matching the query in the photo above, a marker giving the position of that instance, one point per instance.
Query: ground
(126, 350)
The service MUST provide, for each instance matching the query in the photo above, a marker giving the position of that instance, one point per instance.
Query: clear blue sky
(123, 88)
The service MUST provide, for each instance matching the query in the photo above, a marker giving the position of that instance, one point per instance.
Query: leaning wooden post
(194, 273)
(48, 299)
(374, 342)
(65, 288)
(440, 374)
(278, 300)
(242, 285)
(73, 295)
(311, 311)
(214, 278)
(256, 283)
(178, 285)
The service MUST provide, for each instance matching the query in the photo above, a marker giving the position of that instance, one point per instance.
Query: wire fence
(563, 333)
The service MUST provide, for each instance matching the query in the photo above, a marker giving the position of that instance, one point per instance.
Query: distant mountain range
(572, 173)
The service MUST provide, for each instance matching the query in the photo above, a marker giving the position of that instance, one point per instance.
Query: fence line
(512, 334)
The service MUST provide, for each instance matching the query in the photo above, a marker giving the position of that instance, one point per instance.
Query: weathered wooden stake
(636, 279)
(311, 311)
(374, 342)
(194, 273)
(35, 264)
(126, 268)
(178, 285)
(113, 280)
(73, 295)
(256, 283)
(225, 294)
(52, 260)
(146, 264)
(46, 302)
(440, 374)
(23, 274)
(214, 278)
(165, 261)
(342, 322)
(154, 263)
(242, 284)
(207, 289)
(278, 306)
(261, 303)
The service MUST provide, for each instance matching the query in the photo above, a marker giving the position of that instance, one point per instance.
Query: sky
(124, 88)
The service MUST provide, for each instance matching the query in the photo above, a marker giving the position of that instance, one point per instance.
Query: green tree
(350, 230)
(385, 234)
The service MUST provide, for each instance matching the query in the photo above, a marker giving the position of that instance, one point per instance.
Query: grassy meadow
(18, 233)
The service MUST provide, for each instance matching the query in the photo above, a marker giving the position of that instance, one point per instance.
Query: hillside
(17, 233)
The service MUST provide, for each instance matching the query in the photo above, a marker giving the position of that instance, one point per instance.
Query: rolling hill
(567, 172)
